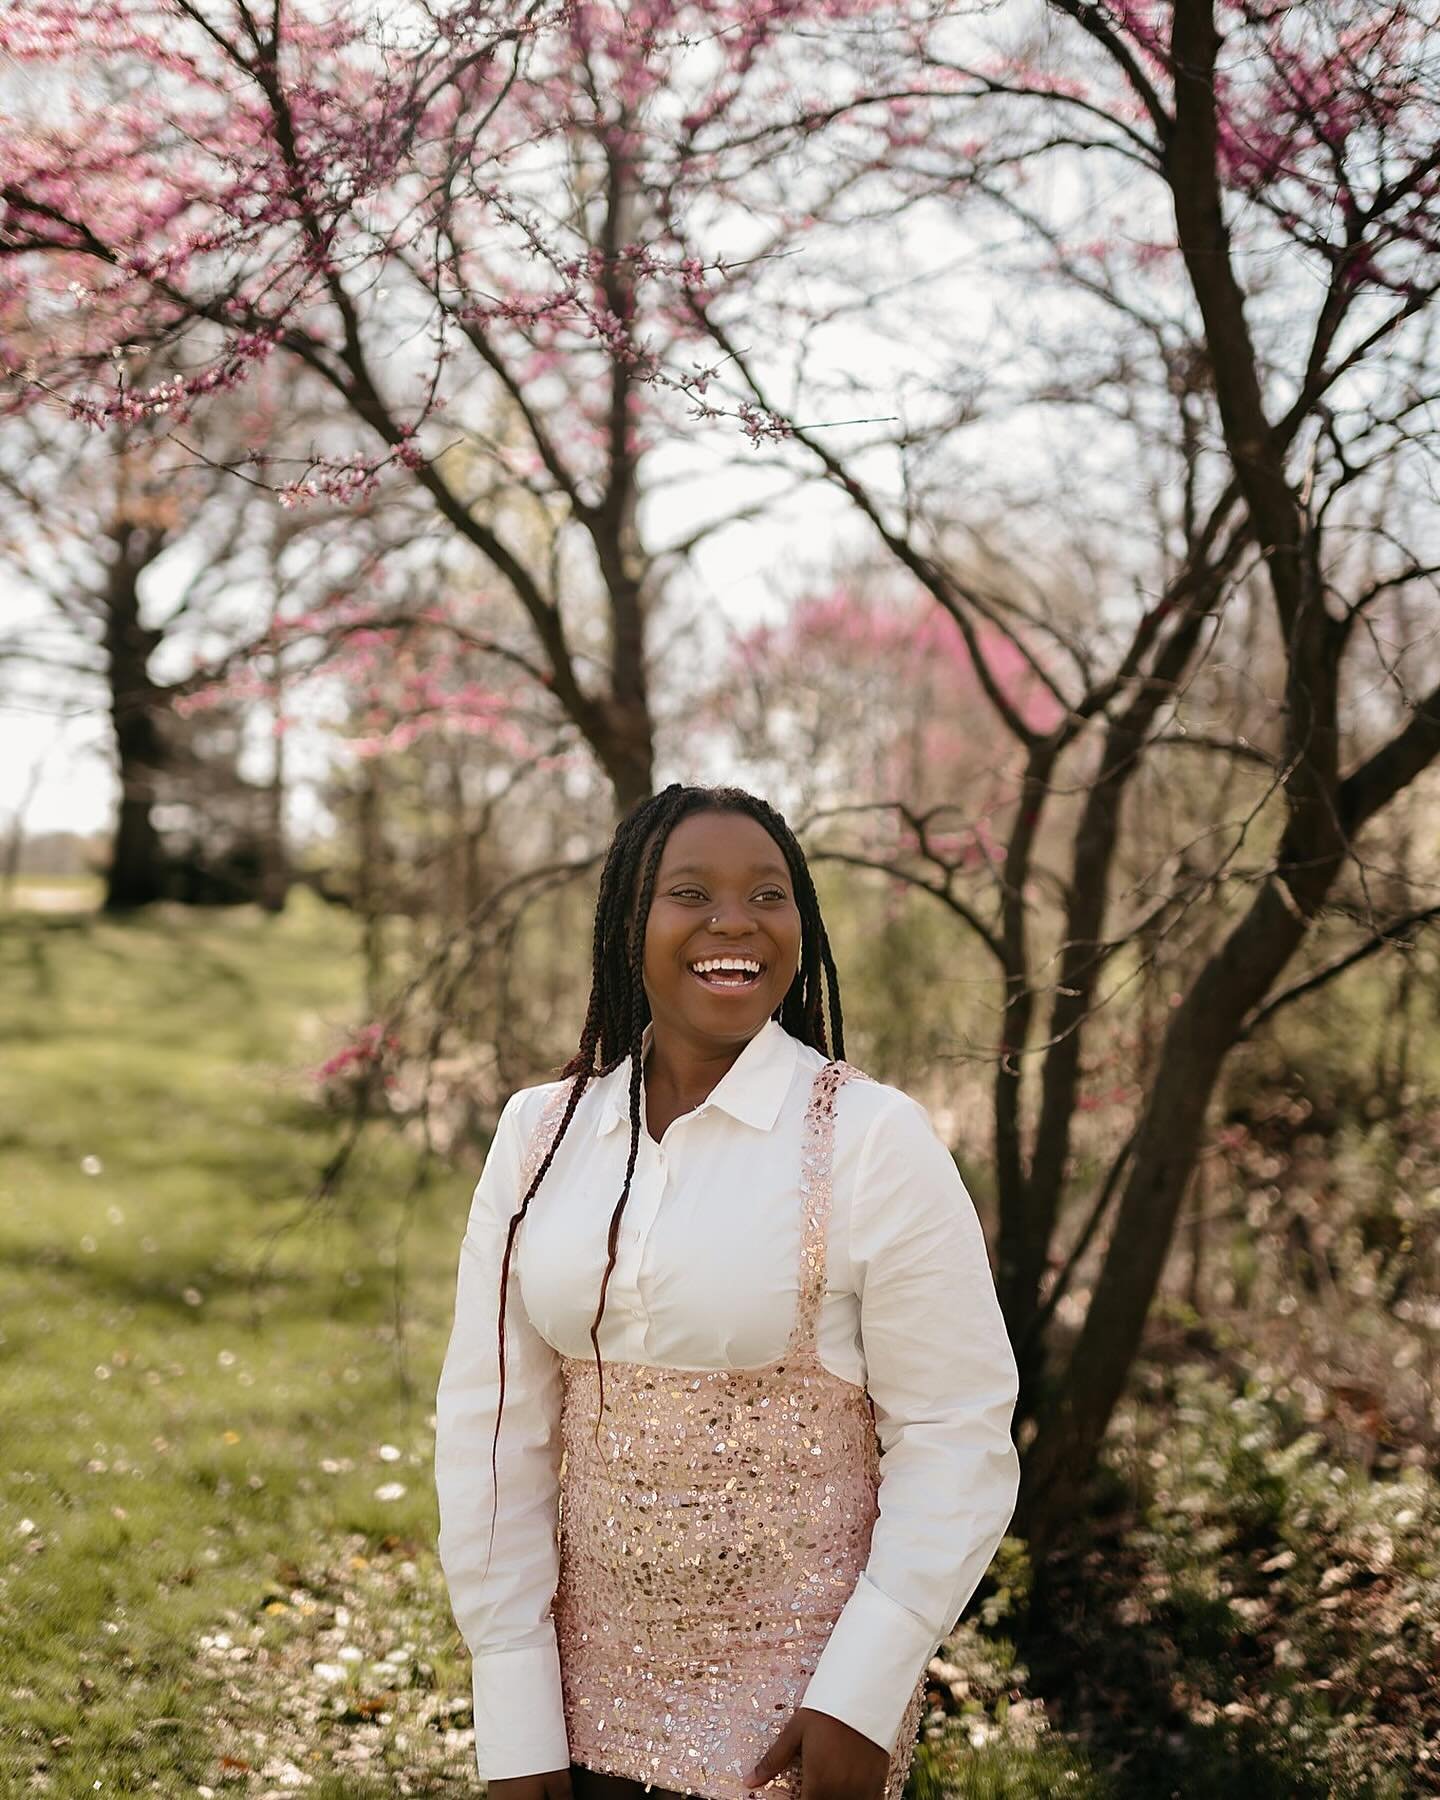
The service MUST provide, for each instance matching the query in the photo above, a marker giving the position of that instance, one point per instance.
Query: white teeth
(747, 964)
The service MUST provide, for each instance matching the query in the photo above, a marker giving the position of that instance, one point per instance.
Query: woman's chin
(729, 1009)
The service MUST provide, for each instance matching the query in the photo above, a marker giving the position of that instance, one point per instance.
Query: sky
(76, 788)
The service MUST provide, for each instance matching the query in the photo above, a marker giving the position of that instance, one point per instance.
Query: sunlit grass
(195, 1445)
(52, 894)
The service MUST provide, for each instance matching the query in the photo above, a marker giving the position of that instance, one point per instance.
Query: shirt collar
(752, 1089)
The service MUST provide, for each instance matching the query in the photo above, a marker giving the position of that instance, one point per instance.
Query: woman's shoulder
(864, 1103)
(522, 1112)
(863, 1098)
(901, 1174)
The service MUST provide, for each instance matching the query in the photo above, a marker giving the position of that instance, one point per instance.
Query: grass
(216, 1515)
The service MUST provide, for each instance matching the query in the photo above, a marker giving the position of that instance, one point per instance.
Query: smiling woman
(733, 1512)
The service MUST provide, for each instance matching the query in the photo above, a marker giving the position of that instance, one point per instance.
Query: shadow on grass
(304, 1295)
(187, 967)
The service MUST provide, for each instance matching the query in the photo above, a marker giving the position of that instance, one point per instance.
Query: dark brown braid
(619, 1010)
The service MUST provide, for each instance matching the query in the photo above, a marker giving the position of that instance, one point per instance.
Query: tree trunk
(1201, 1033)
(371, 885)
(137, 871)
(620, 733)
(274, 887)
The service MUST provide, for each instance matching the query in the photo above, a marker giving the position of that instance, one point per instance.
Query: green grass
(189, 1518)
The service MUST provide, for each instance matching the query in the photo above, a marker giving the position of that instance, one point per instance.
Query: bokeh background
(1005, 437)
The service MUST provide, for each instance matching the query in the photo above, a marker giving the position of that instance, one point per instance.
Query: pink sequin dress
(709, 1543)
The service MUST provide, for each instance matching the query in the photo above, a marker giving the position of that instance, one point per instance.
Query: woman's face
(722, 891)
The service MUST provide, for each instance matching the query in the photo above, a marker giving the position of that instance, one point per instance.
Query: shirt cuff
(519, 1712)
(871, 1663)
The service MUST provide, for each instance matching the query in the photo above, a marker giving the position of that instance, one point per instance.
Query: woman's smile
(738, 971)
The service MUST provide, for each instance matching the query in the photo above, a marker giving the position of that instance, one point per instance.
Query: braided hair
(618, 1010)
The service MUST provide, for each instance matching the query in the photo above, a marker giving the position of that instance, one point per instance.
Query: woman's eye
(694, 893)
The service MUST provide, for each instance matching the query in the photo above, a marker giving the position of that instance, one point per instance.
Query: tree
(1217, 424)
(1254, 320)
(133, 562)
(459, 221)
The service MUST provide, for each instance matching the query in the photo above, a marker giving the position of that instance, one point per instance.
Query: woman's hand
(554, 1784)
(840, 1762)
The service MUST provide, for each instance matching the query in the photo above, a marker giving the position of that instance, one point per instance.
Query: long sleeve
(942, 1374)
(504, 1616)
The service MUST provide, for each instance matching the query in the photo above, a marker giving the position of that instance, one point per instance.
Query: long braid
(618, 1008)
(639, 1014)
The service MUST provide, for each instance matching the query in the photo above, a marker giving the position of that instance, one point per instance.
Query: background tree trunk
(275, 874)
(137, 703)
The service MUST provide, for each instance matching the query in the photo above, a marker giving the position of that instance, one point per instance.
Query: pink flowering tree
(868, 689)
(434, 732)
(1198, 334)
(469, 225)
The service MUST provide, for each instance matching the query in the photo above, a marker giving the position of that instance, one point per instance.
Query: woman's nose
(730, 917)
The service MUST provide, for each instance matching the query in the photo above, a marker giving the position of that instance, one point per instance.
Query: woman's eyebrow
(760, 868)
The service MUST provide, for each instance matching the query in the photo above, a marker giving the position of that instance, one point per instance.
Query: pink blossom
(370, 1047)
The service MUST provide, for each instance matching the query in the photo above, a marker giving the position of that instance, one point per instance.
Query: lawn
(216, 1512)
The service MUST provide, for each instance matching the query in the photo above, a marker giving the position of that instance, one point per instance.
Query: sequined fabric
(709, 1542)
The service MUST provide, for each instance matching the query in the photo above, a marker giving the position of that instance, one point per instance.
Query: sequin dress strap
(543, 1135)
(816, 1172)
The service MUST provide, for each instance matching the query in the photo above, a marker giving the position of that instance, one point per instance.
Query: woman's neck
(679, 1073)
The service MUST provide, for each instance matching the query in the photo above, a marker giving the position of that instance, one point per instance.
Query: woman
(719, 1538)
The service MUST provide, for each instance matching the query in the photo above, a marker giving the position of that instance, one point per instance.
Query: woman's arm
(504, 1615)
(942, 1374)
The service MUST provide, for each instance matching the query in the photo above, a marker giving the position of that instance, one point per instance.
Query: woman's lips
(728, 981)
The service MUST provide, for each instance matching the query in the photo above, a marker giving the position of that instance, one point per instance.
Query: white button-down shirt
(706, 1277)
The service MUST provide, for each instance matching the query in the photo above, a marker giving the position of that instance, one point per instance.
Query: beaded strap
(543, 1135)
(816, 1179)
